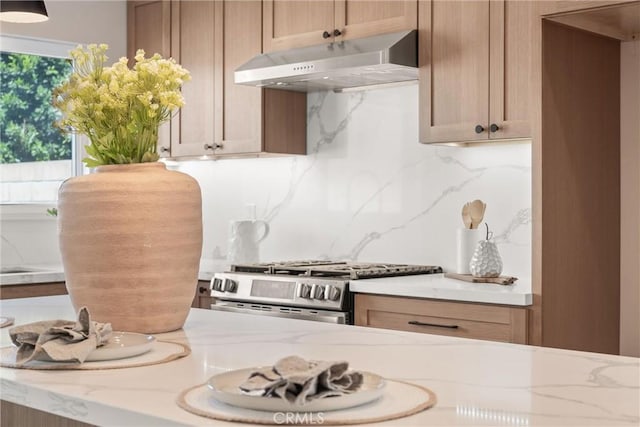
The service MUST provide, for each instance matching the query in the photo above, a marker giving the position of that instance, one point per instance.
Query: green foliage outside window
(27, 133)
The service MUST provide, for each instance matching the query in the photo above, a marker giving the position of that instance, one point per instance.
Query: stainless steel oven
(309, 290)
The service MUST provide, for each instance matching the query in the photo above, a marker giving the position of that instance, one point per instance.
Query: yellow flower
(117, 107)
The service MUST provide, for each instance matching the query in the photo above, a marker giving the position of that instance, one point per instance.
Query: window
(35, 157)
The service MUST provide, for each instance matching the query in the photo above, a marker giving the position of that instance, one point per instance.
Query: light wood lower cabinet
(202, 298)
(28, 290)
(464, 320)
(18, 415)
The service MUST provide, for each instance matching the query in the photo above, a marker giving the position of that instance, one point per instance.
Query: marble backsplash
(368, 191)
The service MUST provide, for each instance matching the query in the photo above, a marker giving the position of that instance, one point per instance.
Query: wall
(28, 235)
(33, 182)
(368, 191)
(80, 22)
(630, 199)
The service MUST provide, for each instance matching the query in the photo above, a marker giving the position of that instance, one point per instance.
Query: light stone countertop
(477, 382)
(436, 286)
(36, 273)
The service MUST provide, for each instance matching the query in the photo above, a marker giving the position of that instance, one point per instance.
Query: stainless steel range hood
(377, 60)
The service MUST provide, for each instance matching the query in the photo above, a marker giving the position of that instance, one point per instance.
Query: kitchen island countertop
(477, 382)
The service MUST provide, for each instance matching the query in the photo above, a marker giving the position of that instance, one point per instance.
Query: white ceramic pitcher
(244, 240)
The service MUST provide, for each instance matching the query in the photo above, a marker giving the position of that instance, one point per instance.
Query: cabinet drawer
(465, 320)
(28, 290)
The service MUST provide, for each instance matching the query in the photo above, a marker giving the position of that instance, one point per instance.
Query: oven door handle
(338, 317)
(416, 323)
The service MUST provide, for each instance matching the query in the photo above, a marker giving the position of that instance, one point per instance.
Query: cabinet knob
(494, 127)
(326, 35)
(337, 32)
(203, 290)
(164, 149)
(212, 146)
(479, 129)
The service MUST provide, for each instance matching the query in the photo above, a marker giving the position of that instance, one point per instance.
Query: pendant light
(23, 11)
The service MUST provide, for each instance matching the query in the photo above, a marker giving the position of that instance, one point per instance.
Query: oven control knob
(216, 285)
(319, 292)
(333, 293)
(230, 285)
(304, 291)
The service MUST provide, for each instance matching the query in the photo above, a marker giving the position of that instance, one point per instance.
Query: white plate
(225, 388)
(121, 345)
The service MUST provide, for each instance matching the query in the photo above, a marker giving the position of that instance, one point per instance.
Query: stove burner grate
(340, 269)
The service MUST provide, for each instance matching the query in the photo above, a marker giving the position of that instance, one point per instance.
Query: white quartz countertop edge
(436, 286)
(36, 273)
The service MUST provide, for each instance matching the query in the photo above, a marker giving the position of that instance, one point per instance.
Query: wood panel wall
(581, 189)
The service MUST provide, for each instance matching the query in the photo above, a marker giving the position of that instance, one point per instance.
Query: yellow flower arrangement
(119, 108)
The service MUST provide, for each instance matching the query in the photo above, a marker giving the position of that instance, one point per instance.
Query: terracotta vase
(131, 240)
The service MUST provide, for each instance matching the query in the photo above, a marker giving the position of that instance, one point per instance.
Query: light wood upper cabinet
(357, 18)
(510, 68)
(454, 69)
(252, 120)
(149, 28)
(220, 118)
(475, 64)
(289, 24)
(192, 41)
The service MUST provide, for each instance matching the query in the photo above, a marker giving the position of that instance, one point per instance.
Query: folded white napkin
(299, 381)
(59, 340)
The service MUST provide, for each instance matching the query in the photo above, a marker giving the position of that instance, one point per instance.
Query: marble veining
(368, 191)
(477, 382)
(67, 407)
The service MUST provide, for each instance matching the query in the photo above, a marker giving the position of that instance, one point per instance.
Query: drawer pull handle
(415, 322)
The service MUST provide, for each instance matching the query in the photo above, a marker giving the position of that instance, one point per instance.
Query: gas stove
(312, 290)
(340, 269)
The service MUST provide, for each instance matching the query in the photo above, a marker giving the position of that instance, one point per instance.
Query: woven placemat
(6, 321)
(161, 352)
(400, 399)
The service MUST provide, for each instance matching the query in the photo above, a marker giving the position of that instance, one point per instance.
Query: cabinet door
(456, 319)
(454, 70)
(149, 28)
(511, 43)
(241, 130)
(357, 18)
(297, 23)
(192, 46)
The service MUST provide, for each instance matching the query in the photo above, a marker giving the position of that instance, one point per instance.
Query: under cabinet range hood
(358, 63)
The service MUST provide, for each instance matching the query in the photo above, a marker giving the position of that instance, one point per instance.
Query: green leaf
(150, 157)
